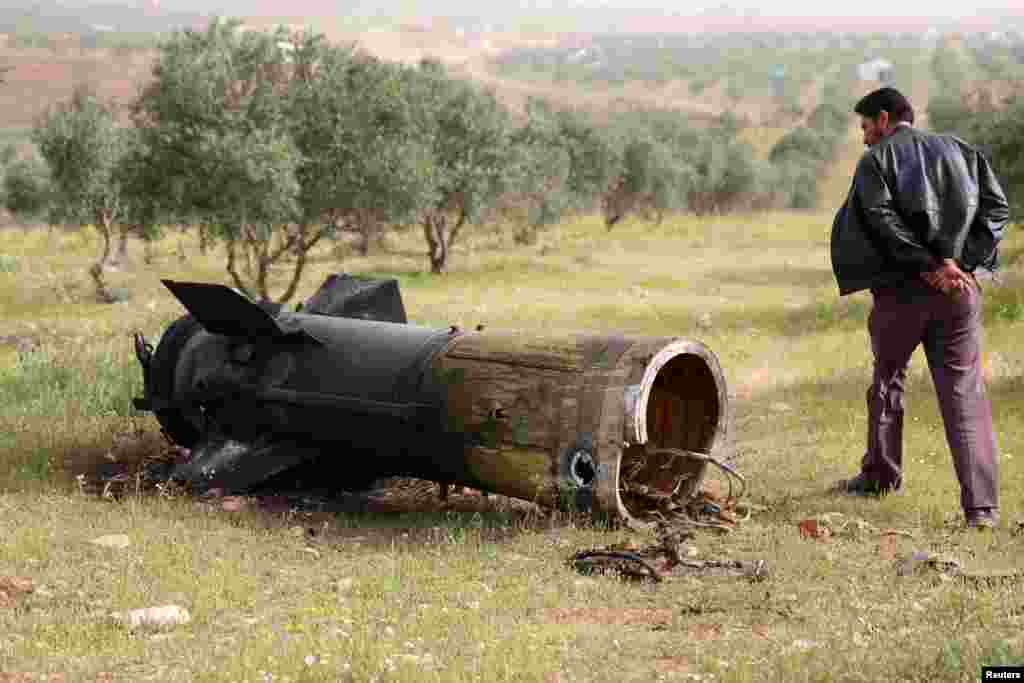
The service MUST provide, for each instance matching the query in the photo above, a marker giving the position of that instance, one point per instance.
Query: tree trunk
(262, 270)
(363, 241)
(98, 269)
(302, 248)
(121, 255)
(204, 239)
(180, 249)
(526, 236)
(437, 243)
(233, 268)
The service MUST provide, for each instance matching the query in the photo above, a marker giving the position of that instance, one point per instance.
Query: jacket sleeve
(993, 209)
(884, 222)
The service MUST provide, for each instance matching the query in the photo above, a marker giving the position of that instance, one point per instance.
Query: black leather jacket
(916, 198)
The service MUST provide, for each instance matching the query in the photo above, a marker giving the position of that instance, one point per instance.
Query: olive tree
(27, 189)
(363, 133)
(470, 136)
(83, 147)
(1000, 135)
(216, 123)
(653, 176)
(539, 170)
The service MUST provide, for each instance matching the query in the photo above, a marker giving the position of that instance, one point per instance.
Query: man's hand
(948, 278)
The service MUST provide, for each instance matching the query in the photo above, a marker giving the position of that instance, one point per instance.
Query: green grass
(8, 264)
(452, 595)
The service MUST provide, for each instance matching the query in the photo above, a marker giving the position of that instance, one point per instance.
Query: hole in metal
(681, 411)
(582, 468)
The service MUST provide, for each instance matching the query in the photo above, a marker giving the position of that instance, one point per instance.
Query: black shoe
(982, 518)
(861, 486)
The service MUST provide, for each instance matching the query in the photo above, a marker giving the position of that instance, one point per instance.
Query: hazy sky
(938, 9)
(866, 8)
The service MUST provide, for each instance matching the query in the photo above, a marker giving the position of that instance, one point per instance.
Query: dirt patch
(762, 379)
(704, 631)
(672, 665)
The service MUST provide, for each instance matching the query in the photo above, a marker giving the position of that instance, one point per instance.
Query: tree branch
(285, 247)
(300, 260)
(233, 271)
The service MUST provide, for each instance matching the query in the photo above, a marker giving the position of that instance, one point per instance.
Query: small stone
(312, 551)
(232, 504)
(166, 616)
(118, 541)
(296, 531)
(344, 585)
(781, 407)
(704, 321)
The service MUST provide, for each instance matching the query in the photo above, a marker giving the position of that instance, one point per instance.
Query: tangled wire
(661, 487)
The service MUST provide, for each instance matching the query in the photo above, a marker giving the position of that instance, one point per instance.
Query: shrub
(802, 145)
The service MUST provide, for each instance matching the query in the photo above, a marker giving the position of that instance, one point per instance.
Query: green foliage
(27, 190)
(830, 118)
(655, 175)
(947, 113)
(949, 69)
(367, 155)
(30, 40)
(1007, 311)
(82, 145)
(215, 124)
(8, 263)
(793, 183)
(797, 158)
(540, 169)
(726, 175)
(1000, 135)
(36, 467)
(996, 128)
(802, 144)
(470, 134)
(593, 157)
(85, 149)
(8, 154)
(49, 384)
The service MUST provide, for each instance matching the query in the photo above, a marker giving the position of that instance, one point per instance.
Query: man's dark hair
(886, 99)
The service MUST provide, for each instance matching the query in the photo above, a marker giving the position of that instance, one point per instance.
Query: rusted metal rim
(635, 399)
(637, 396)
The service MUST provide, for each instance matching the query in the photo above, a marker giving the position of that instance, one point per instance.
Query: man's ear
(883, 120)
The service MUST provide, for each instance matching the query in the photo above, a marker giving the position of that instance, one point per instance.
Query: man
(924, 213)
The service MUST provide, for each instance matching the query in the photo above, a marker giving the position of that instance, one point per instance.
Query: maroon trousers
(914, 313)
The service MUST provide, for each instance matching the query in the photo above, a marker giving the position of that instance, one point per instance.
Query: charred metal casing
(551, 418)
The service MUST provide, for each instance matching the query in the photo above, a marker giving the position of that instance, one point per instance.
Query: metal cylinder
(555, 418)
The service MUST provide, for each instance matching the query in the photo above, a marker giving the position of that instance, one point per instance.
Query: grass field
(480, 591)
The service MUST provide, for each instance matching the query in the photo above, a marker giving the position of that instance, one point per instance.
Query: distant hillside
(53, 17)
(602, 16)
